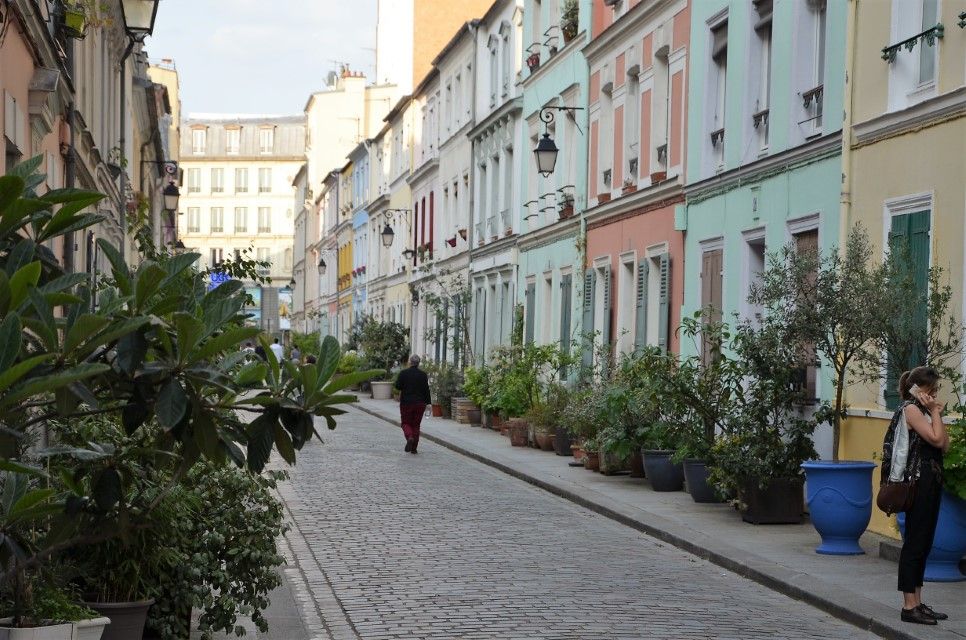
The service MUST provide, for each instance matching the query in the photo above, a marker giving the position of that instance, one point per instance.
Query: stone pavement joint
(855, 609)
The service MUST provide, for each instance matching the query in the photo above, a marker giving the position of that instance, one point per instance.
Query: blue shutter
(640, 324)
(664, 302)
(587, 358)
(531, 298)
(566, 303)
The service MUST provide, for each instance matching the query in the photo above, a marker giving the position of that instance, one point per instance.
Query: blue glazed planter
(949, 545)
(839, 497)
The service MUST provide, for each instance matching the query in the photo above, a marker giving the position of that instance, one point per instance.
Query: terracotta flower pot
(591, 461)
(519, 432)
(544, 440)
(437, 410)
(603, 197)
(577, 452)
(658, 176)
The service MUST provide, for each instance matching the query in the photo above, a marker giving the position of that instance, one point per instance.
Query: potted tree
(698, 396)
(476, 386)
(566, 206)
(766, 436)
(445, 384)
(830, 307)
(385, 345)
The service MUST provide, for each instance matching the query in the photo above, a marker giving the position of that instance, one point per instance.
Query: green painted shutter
(588, 321)
(664, 302)
(566, 302)
(605, 332)
(911, 231)
(531, 299)
(640, 325)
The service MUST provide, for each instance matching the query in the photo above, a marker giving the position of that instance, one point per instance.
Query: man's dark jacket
(413, 385)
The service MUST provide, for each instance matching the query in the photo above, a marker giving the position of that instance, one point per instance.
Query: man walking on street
(413, 385)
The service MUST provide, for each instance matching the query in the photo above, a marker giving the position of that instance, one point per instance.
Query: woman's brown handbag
(895, 497)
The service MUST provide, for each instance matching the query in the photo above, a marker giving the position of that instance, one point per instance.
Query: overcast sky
(258, 56)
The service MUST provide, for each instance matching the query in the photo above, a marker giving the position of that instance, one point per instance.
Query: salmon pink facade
(633, 287)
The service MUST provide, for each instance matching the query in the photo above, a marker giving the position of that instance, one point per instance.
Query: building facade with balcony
(237, 193)
(763, 148)
(633, 282)
(497, 162)
(904, 162)
(554, 86)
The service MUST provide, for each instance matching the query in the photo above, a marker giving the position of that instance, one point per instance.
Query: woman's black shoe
(917, 616)
(409, 445)
(925, 608)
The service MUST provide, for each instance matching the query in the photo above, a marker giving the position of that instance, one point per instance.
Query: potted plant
(630, 186)
(766, 436)
(75, 19)
(533, 61)
(603, 197)
(445, 384)
(476, 386)
(462, 233)
(699, 395)
(544, 415)
(830, 307)
(591, 450)
(569, 20)
(658, 176)
(566, 207)
(385, 345)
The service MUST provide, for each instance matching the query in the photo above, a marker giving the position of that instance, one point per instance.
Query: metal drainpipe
(122, 143)
(845, 200)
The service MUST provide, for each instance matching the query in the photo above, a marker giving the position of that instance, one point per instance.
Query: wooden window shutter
(640, 324)
(664, 302)
(587, 357)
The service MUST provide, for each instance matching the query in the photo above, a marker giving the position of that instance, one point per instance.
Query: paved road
(438, 546)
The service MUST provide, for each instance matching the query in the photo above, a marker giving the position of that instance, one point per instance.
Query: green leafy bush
(385, 345)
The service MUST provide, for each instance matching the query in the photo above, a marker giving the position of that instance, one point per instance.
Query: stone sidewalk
(857, 589)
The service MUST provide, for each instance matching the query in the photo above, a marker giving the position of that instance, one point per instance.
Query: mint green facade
(550, 268)
(755, 197)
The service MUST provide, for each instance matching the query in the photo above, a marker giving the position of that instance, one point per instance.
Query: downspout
(122, 144)
(845, 201)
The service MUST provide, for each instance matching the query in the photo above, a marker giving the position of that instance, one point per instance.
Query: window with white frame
(494, 69)
(217, 256)
(265, 180)
(913, 67)
(193, 180)
(199, 141)
(217, 180)
(763, 28)
(458, 101)
(927, 54)
(605, 156)
(232, 141)
(661, 109)
(632, 126)
(287, 259)
(264, 254)
(548, 336)
(626, 288)
(241, 219)
(719, 84)
(241, 180)
(194, 219)
(448, 107)
(264, 219)
(505, 59)
(266, 140)
(754, 266)
(217, 220)
(813, 95)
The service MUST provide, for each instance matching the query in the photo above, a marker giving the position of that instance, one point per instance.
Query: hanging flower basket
(75, 22)
(533, 61)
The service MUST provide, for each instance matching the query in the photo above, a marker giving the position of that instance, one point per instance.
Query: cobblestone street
(391, 545)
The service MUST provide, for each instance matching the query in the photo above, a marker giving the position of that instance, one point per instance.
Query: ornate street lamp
(387, 236)
(321, 266)
(546, 151)
(171, 196)
(139, 17)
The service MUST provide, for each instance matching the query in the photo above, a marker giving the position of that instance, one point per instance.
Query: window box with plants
(630, 186)
(566, 207)
(569, 17)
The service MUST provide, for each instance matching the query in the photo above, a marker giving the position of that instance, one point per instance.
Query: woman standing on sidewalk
(928, 440)
(413, 385)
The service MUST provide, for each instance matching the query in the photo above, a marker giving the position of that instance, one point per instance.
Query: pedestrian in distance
(413, 385)
(260, 352)
(310, 359)
(928, 441)
(278, 350)
(296, 355)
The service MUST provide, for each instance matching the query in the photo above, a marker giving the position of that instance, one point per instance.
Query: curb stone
(855, 610)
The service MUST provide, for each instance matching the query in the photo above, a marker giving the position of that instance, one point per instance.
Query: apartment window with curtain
(232, 141)
(719, 83)
(199, 141)
(264, 220)
(264, 180)
(217, 180)
(193, 179)
(217, 220)
(241, 219)
(760, 115)
(266, 140)
(194, 219)
(241, 180)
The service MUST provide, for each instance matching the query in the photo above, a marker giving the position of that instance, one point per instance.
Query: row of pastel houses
(694, 137)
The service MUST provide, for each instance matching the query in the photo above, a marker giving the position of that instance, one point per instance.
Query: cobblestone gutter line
(322, 613)
(857, 611)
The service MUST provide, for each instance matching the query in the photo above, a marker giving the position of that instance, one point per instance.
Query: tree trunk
(837, 418)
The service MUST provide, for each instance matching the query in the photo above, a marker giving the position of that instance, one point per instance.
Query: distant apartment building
(237, 191)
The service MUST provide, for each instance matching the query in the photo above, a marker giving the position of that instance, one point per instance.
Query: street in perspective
(486, 319)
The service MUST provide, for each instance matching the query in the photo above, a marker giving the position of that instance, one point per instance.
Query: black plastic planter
(562, 442)
(781, 501)
(663, 474)
(696, 473)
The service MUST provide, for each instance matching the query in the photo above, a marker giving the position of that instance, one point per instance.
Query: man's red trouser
(411, 416)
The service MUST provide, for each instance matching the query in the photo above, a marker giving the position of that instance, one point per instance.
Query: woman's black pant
(920, 527)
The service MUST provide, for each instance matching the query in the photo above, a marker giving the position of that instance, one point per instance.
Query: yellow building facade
(904, 166)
